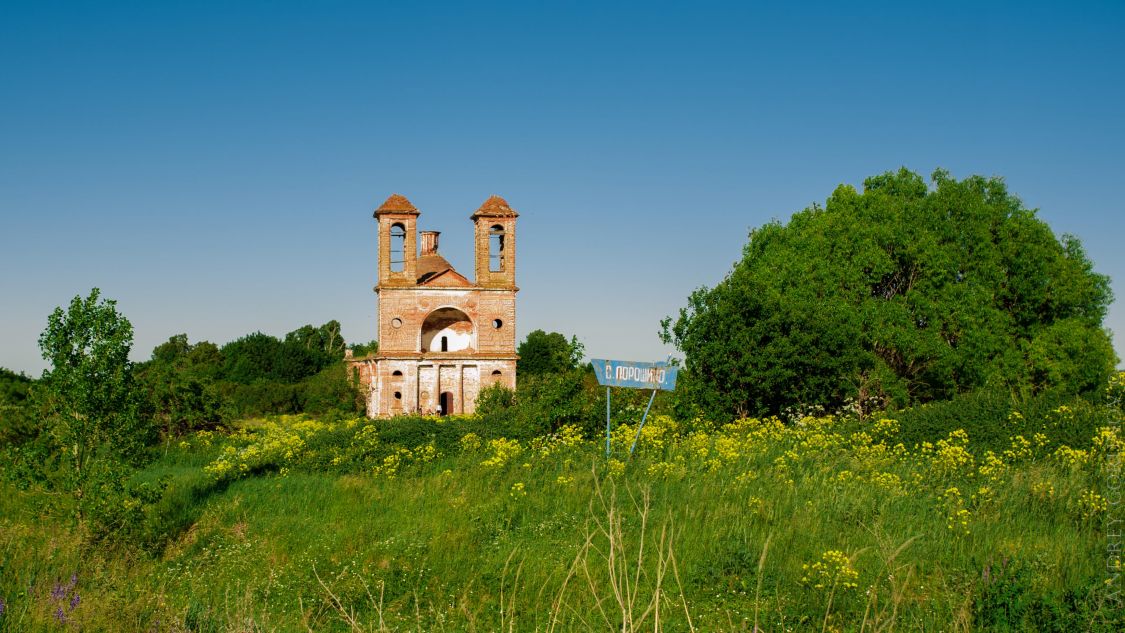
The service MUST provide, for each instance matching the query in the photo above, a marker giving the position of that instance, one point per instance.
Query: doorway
(446, 402)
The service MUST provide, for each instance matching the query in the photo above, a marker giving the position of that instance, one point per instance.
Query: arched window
(496, 248)
(447, 330)
(398, 247)
(496, 372)
(396, 373)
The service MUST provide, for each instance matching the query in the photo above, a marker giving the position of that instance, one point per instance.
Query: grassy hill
(296, 524)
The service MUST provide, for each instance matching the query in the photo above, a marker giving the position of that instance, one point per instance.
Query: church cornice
(451, 289)
(444, 356)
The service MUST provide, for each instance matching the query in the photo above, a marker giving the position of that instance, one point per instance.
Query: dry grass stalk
(348, 614)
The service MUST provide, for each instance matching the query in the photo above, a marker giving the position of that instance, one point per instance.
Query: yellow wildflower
(833, 571)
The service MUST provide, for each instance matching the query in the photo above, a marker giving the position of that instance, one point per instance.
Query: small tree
(93, 427)
(548, 353)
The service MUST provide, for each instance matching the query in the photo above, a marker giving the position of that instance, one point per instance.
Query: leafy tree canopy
(257, 357)
(90, 383)
(898, 294)
(16, 419)
(92, 423)
(324, 342)
(548, 353)
(179, 385)
(303, 353)
(359, 350)
(13, 386)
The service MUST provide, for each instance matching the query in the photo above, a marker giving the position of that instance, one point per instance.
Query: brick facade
(442, 338)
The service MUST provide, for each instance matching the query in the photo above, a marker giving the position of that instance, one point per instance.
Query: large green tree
(548, 353)
(304, 352)
(324, 342)
(260, 357)
(93, 427)
(897, 294)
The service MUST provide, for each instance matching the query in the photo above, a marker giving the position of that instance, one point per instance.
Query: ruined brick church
(442, 337)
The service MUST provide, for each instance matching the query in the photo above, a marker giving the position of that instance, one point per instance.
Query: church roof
(396, 204)
(449, 279)
(432, 266)
(496, 207)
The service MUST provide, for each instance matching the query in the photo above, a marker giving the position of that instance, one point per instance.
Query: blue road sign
(634, 375)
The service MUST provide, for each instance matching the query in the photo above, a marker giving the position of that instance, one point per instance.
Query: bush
(1007, 599)
(495, 401)
(115, 507)
(991, 418)
(331, 390)
(16, 418)
(179, 388)
(541, 404)
(328, 392)
(261, 398)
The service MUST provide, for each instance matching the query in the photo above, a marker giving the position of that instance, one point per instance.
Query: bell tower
(398, 242)
(495, 244)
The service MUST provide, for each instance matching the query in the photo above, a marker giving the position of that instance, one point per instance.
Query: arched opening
(396, 373)
(445, 401)
(496, 373)
(496, 248)
(447, 330)
(398, 247)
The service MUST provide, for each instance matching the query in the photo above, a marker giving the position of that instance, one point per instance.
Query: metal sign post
(607, 422)
(632, 375)
(642, 424)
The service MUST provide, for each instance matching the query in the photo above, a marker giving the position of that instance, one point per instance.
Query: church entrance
(446, 403)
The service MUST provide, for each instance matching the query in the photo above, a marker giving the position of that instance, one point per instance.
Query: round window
(497, 323)
(396, 322)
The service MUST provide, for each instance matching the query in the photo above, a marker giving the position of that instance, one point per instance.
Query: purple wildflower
(60, 616)
(73, 582)
(74, 601)
(3, 607)
(58, 592)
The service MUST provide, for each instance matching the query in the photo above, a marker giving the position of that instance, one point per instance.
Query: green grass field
(292, 524)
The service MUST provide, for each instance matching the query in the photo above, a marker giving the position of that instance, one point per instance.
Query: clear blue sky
(214, 168)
